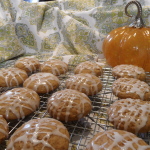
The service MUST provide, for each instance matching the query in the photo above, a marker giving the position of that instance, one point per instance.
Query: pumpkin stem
(138, 23)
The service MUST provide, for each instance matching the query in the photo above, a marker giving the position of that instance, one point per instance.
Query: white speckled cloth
(56, 29)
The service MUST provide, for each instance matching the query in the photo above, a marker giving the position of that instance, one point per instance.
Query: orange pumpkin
(130, 44)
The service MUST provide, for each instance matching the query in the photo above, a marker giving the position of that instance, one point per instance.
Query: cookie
(85, 83)
(88, 67)
(129, 71)
(42, 82)
(131, 88)
(18, 103)
(11, 77)
(54, 66)
(40, 134)
(130, 114)
(28, 64)
(68, 105)
(116, 140)
(3, 129)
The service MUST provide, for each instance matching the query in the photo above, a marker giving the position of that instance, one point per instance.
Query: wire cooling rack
(83, 130)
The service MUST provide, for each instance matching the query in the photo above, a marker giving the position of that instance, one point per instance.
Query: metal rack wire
(83, 130)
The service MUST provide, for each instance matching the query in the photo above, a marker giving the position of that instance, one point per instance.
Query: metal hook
(138, 19)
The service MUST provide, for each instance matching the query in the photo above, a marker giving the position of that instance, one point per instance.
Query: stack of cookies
(28, 79)
(73, 102)
(131, 112)
(129, 115)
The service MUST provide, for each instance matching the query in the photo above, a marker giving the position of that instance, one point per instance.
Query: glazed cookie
(11, 77)
(129, 71)
(130, 115)
(3, 129)
(131, 88)
(42, 82)
(40, 134)
(116, 140)
(68, 105)
(56, 67)
(28, 64)
(85, 83)
(88, 67)
(18, 103)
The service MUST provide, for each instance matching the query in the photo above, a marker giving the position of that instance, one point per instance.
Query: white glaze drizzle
(130, 70)
(28, 62)
(131, 85)
(41, 78)
(52, 64)
(81, 81)
(16, 98)
(33, 129)
(66, 98)
(5, 126)
(12, 72)
(116, 138)
(88, 65)
(129, 110)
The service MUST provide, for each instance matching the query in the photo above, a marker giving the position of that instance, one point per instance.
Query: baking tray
(83, 130)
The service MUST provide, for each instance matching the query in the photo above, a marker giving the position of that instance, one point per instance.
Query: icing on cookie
(131, 85)
(11, 75)
(117, 138)
(88, 66)
(16, 100)
(84, 81)
(66, 100)
(3, 123)
(54, 67)
(43, 79)
(129, 70)
(129, 111)
(31, 131)
(29, 63)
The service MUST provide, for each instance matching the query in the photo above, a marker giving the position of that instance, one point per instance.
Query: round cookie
(40, 134)
(116, 140)
(18, 103)
(129, 71)
(131, 88)
(54, 66)
(11, 77)
(88, 67)
(68, 105)
(85, 83)
(130, 115)
(42, 82)
(3, 129)
(28, 64)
